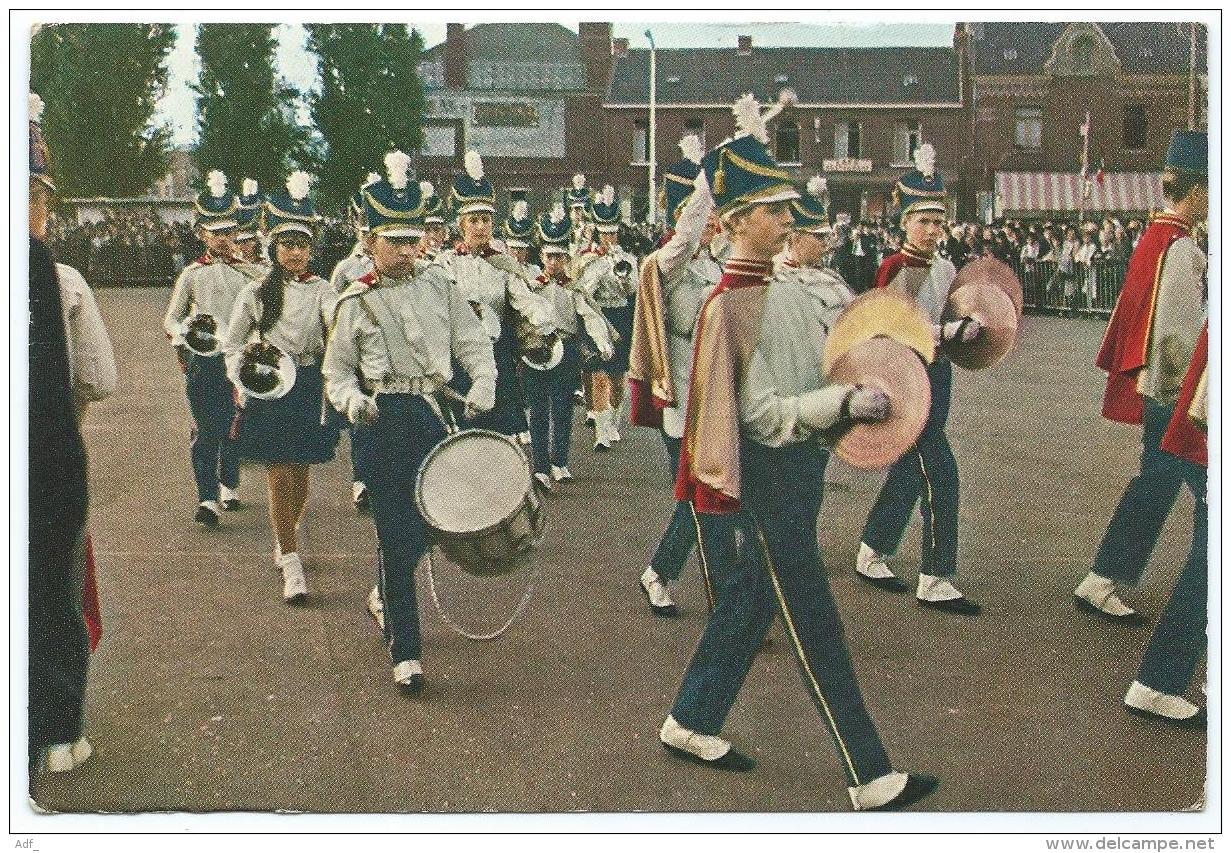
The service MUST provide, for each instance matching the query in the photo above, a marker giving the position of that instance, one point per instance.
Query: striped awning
(1062, 191)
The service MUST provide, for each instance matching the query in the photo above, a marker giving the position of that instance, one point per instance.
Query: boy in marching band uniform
(549, 387)
(210, 286)
(247, 238)
(518, 231)
(396, 334)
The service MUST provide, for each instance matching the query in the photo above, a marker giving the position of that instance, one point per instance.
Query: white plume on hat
(692, 148)
(36, 107)
(474, 165)
(373, 178)
(817, 185)
(521, 210)
(217, 183)
(248, 187)
(925, 159)
(557, 213)
(298, 185)
(579, 181)
(748, 121)
(397, 168)
(608, 197)
(426, 189)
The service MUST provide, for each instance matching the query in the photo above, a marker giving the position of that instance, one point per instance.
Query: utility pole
(1192, 77)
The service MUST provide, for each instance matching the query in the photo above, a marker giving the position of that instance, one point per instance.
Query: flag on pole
(1098, 176)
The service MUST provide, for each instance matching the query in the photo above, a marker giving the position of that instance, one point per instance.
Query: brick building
(1033, 85)
(860, 114)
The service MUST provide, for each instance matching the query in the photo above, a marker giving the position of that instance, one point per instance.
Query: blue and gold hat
(554, 231)
(294, 211)
(519, 227)
(809, 210)
(433, 205)
(1188, 152)
(578, 196)
(393, 207)
(741, 171)
(250, 203)
(680, 179)
(921, 188)
(217, 209)
(606, 210)
(355, 205)
(472, 191)
(40, 156)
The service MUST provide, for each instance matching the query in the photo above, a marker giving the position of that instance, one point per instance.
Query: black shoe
(918, 786)
(206, 517)
(731, 760)
(670, 611)
(362, 504)
(893, 583)
(961, 606)
(411, 687)
(231, 505)
(1196, 722)
(1133, 619)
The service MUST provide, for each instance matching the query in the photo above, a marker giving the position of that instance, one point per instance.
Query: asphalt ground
(208, 693)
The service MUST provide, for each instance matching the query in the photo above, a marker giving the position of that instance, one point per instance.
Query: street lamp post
(652, 205)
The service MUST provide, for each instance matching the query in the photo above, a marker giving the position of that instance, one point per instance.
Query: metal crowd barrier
(1089, 289)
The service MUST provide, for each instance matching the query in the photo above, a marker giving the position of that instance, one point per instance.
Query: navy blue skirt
(622, 319)
(288, 430)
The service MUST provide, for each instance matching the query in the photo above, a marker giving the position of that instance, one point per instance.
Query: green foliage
(371, 101)
(100, 83)
(247, 124)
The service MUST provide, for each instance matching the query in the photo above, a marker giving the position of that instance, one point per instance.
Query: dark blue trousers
(680, 537)
(550, 396)
(777, 568)
(388, 454)
(1146, 503)
(926, 474)
(211, 399)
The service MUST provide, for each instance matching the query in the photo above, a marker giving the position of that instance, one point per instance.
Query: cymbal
(897, 370)
(883, 313)
(992, 271)
(995, 311)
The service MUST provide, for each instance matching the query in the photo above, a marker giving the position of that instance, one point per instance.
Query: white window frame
(913, 134)
(1026, 123)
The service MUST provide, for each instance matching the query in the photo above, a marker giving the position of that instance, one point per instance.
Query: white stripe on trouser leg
(705, 566)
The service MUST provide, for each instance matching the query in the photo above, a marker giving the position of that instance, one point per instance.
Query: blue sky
(177, 107)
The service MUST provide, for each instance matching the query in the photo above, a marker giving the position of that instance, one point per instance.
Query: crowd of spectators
(135, 249)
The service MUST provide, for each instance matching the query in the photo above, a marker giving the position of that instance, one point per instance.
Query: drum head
(895, 369)
(472, 480)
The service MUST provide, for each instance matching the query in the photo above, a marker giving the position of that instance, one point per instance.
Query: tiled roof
(528, 42)
(1142, 47)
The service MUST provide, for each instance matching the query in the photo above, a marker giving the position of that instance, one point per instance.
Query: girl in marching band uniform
(549, 387)
(290, 309)
(496, 286)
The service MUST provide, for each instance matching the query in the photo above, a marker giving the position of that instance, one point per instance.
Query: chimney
(455, 56)
(619, 47)
(745, 45)
(597, 51)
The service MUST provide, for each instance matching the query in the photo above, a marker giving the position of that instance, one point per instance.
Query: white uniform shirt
(209, 288)
(491, 288)
(1178, 315)
(91, 359)
(573, 312)
(307, 312)
(355, 265)
(435, 320)
(599, 281)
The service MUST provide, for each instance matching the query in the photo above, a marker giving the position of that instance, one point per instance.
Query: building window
(641, 141)
(1083, 55)
(695, 127)
(786, 142)
(906, 138)
(846, 140)
(1135, 126)
(1009, 54)
(1028, 128)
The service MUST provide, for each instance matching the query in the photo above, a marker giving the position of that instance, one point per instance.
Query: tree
(371, 101)
(247, 125)
(100, 84)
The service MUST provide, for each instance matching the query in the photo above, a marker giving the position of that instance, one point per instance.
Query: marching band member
(247, 237)
(355, 265)
(810, 244)
(927, 474)
(581, 231)
(496, 287)
(518, 231)
(550, 391)
(1146, 349)
(291, 309)
(675, 280)
(608, 275)
(209, 286)
(435, 231)
(396, 333)
(755, 408)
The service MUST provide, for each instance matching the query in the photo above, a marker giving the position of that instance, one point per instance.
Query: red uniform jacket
(891, 265)
(1183, 437)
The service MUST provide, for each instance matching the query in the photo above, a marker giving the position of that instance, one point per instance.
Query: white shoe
(376, 606)
(657, 594)
(294, 585)
(561, 473)
(229, 498)
(1147, 699)
(357, 488)
(936, 588)
(591, 418)
(602, 431)
(408, 675)
(871, 564)
(543, 479)
(1100, 594)
(62, 757)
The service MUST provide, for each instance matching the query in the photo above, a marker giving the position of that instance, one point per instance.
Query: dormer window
(781, 78)
(673, 79)
(910, 80)
(1010, 54)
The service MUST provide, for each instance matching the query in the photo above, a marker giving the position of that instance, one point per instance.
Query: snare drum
(477, 497)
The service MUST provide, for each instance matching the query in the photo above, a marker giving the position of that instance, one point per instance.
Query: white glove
(606, 352)
(866, 405)
(480, 399)
(361, 410)
(822, 409)
(963, 331)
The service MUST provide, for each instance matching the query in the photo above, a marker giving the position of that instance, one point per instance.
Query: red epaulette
(204, 260)
(367, 278)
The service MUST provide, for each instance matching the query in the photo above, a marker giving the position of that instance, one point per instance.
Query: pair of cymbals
(988, 290)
